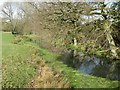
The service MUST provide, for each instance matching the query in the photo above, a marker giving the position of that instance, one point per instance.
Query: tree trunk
(75, 45)
(75, 42)
(110, 39)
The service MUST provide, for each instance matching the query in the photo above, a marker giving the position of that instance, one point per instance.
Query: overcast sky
(1, 2)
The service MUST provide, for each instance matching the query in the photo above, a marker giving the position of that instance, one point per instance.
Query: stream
(92, 65)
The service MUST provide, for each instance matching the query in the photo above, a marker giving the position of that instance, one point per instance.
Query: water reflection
(101, 67)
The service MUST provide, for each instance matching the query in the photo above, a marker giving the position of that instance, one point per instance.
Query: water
(100, 67)
(94, 66)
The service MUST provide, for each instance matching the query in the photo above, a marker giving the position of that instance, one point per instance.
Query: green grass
(18, 70)
(76, 79)
(17, 66)
(0, 59)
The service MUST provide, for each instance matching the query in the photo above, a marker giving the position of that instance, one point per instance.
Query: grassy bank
(76, 79)
(19, 68)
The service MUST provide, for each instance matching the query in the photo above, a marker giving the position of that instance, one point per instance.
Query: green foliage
(27, 38)
(16, 40)
(58, 22)
(69, 46)
(76, 79)
(23, 70)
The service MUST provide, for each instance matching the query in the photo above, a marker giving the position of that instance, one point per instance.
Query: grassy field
(19, 68)
(0, 58)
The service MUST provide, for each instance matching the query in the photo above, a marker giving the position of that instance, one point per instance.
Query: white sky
(1, 2)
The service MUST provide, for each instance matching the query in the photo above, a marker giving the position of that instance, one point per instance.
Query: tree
(14, 15)
(108, 14)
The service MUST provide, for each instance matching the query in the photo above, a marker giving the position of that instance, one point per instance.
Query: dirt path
(48, 78)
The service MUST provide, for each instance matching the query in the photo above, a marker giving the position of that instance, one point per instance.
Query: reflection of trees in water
(114, 72)
(101, 68)
(92, 65)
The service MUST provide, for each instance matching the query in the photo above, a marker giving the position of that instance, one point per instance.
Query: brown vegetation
(48, 78)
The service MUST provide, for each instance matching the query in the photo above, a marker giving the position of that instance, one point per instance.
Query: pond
(92, 65)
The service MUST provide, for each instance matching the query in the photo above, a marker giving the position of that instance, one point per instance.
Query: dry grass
(47, 78)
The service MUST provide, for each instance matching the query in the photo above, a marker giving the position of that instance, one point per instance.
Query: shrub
(27, 38)
(16, 40)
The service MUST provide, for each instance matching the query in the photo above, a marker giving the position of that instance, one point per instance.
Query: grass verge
(19, 67)
(76, 79)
